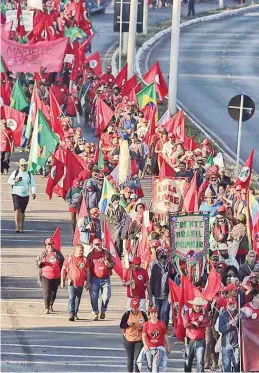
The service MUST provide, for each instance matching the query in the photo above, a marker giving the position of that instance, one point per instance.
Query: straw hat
(198, 301)
(22, 162)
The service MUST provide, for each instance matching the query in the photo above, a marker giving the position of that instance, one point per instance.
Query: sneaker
(71, 318)
(46, 312)
(102, 315)
(96, 317)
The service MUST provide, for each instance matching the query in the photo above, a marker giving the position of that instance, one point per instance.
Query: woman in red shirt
(49, 262)
(155, 337)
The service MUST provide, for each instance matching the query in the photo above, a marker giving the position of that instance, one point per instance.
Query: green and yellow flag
(18, 99)
(43, 143)
(210, 160)
(100, 159)
(147, 95)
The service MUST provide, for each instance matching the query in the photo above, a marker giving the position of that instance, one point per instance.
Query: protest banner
(167, 194)
(29, 58)
(27, 18)
(189, 236)
(36, 4)
(250, 342)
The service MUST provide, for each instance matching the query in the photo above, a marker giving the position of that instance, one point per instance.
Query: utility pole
(132, 37)
(174, 53)
(125, 43)
(221, 4)
(145, 15)
(120, 43)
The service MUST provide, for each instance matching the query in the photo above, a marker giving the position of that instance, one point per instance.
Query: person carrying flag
(7, 145)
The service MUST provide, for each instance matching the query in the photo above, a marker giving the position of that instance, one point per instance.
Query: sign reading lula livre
(189, 236)
(167, 194)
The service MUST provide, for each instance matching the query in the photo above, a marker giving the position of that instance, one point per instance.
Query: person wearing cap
(21, 181)
(76, 271)
(195, 321)
(250, 286)
(74, 200)
(49, 263)
(7, 146)
(229, 324)
(127, 125)
(101, 265)
(107, 77)
(224, 255)
(132, 323)
(137, 283)
(155, 341)
(161, 272)
(248, 267)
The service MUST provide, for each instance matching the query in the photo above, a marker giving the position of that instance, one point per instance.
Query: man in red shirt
(6, 146)
(137, 282)
(76, 270)
(155, 340)
(195, 321)
(101, 264)
(60, 91)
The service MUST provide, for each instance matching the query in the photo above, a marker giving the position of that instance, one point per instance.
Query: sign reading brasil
(189, 236)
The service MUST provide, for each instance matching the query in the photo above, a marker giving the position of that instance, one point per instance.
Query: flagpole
(120, 46)
(239, 332)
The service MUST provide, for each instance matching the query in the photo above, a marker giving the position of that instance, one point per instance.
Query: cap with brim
(152, 309)
(197, 301)
(22, 162)
(135, 303)
(222, 246)
(136, 260)
(48, 241)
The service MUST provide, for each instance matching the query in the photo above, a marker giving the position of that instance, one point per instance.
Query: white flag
(218, 160)
(37, 4)
(164, 119)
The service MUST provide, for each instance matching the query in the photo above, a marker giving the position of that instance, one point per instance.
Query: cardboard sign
(167, 194)
(69, 58)
(189, 236)
(27, 19)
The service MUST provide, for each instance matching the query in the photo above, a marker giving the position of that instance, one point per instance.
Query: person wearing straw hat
(195, 321)
(229, 324)
(21, 181)
(132, 324)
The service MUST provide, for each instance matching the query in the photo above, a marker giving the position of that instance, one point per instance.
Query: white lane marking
(29, 230)
(14, 362)
(35, 202)
(219, 76)
(63, 332)
(255, 14)
(79, 356)
(67, 347)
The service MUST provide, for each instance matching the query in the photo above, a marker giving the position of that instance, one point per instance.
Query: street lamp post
(174, 53)
(132, 36)
(120, 42)
(145, 16)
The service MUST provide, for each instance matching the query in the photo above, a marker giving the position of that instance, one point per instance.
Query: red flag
(6, 29)
(56, 239)
(165, 169)
(154, 74)
(82, 213)
(96, 154)
(79, 14)
(129, 85)
(56, 113)
(15, 121)
(73, 169)
(134, 170)
(246, 172)
(76, 64)
(132, 96)
(50, 52)
(56, 173)
(213, 284)
(175, 298)
(109, 245)
(83, 163)
(95, 63)
(122, 77)
(83, 47)
(103, 116)
(142, 244)
(176, 126)
(150, 115)
(138, 87)
(190, 202)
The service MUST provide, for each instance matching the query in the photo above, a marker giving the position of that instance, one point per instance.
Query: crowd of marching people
(113, 227)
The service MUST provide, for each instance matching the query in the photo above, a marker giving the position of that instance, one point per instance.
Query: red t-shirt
(155, 333)
(76, 269)
(140, 277)
(6, 139)
(98, 268)
(222, 302)
(51, 267)
(60, 92)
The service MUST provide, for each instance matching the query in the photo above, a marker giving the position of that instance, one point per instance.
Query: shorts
(20, 203)
(73, 209)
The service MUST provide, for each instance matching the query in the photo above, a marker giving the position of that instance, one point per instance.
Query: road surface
(217, 61)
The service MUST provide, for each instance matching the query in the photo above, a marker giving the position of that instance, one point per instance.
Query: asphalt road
(217, 61)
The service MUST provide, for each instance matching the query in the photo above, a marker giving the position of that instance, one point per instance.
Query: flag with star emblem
(43, 143)
(154, 74)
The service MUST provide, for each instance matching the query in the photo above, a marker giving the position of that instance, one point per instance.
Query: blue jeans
(154, 358)
(231, 355)
(195, 348)
(97, 285)
(74, 298)
(163, 307)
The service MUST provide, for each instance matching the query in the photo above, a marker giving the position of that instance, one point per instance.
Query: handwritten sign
(167, 194)
(189, 236)
(69, 58)
(29, 58)
(27, 19)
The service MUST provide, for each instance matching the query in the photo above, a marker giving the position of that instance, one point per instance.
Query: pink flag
(109, 245)
(29, 58)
